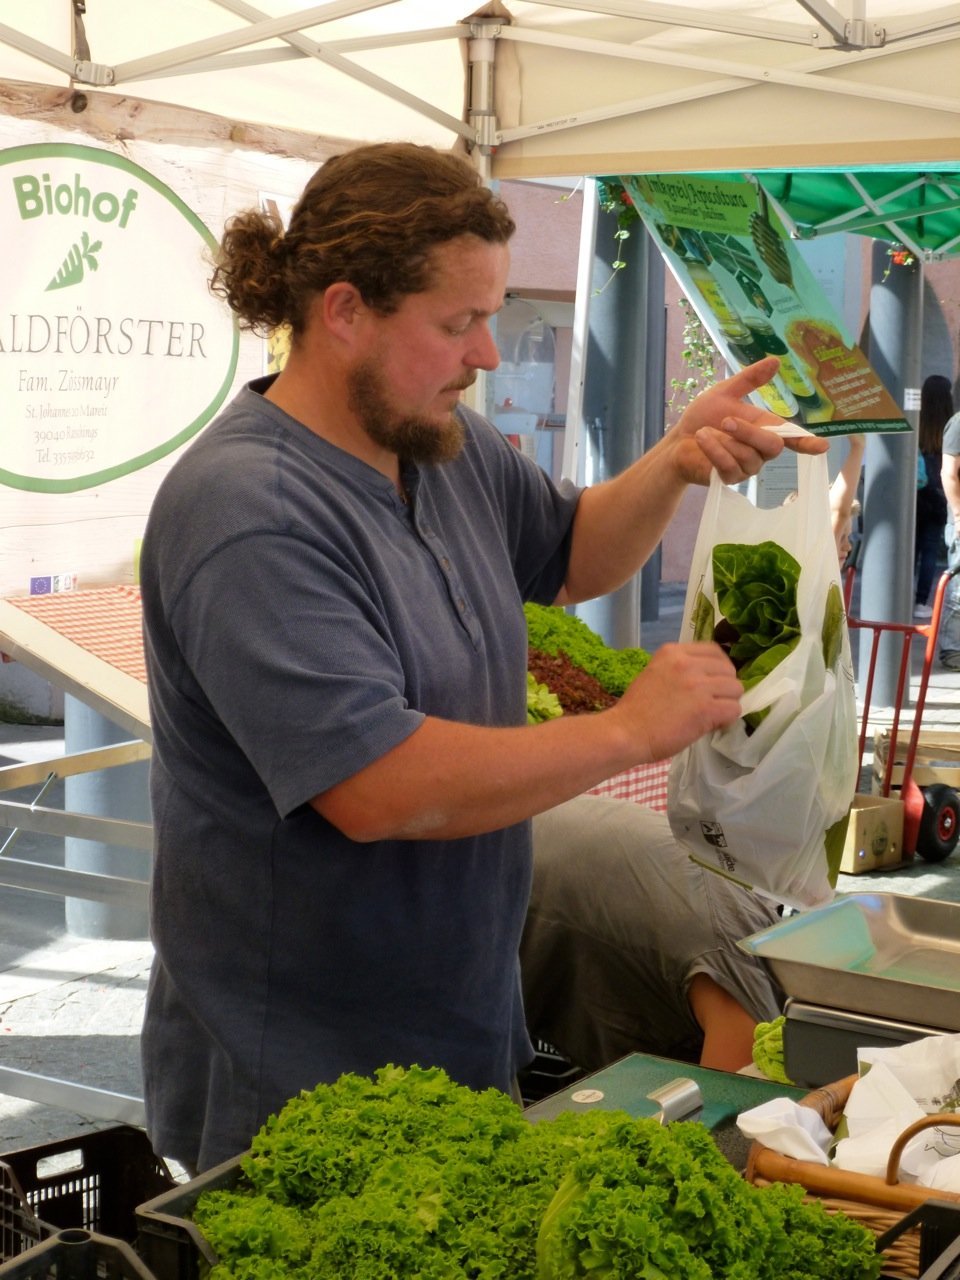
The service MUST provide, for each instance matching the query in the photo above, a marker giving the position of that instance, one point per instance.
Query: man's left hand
(722, 430)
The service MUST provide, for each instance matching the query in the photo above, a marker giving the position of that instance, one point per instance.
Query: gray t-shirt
(299, 622)
(951, 436)
(951, 447)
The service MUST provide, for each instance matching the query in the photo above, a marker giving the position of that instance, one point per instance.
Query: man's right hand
(685, 691)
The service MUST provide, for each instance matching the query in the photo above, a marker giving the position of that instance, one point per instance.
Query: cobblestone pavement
(71, 1013)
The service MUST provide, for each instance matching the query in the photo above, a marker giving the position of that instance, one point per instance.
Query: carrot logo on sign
(72, 268)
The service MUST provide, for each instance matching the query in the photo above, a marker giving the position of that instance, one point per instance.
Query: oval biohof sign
(112, 350)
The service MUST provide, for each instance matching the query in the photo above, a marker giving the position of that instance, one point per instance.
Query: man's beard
(413, 439)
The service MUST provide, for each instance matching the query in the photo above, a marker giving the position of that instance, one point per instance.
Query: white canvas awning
(552, 89)
(730, 84)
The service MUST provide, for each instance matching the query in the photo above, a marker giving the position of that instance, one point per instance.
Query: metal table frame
(122, 699)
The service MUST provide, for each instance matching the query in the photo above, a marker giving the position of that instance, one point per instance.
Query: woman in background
(936, 407)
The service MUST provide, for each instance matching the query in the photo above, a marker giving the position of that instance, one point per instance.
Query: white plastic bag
(767, 805)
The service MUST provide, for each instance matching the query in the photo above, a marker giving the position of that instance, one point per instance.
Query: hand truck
(931, 814)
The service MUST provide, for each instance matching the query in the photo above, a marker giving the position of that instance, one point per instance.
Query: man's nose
(483, 353)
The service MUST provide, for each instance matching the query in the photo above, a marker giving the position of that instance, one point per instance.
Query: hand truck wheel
(939, 822)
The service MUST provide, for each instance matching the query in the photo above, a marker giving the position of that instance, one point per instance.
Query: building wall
(545, 248)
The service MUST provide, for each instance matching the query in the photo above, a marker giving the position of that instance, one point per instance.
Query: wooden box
(874, 834)
(938, 759)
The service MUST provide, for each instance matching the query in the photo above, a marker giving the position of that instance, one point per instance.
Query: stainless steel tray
(877, 953)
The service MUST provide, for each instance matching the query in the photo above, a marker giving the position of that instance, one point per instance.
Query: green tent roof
(918, 208)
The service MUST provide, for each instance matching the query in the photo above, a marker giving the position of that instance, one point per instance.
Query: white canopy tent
(557, 89)
(563, 88)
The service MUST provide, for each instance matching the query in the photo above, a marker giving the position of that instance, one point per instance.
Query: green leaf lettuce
(411, 1177)
(756, 589)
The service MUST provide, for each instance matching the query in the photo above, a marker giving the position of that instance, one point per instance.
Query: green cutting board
(624, 1086)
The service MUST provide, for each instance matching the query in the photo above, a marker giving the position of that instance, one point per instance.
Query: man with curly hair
(333, 578)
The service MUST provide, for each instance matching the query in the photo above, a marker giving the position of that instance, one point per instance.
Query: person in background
(631, 946)
(844, 504)
(843, 533)
(949, 636)
(936, 409)
(333, 578)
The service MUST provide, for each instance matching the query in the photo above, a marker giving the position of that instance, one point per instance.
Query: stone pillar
(890, 469)
(623, 400)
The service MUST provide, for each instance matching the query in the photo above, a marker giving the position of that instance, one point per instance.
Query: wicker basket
(878, 1203)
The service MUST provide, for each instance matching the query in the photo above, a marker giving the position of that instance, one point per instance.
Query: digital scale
(870, 969)
(820, 1044)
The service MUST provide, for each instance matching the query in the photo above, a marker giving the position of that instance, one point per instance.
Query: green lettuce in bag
(756, 590)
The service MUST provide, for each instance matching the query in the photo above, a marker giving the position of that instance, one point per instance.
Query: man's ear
(341, 308)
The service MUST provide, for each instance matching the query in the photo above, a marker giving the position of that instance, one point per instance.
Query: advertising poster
(113, 352)
(756, 296)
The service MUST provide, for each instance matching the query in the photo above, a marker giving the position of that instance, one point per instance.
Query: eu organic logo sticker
(113, 353)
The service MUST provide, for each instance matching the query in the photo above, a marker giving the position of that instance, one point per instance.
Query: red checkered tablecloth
(645, 784)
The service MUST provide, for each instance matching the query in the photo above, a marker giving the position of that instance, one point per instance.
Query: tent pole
(481, 112)
(121, 792)
(574, 427)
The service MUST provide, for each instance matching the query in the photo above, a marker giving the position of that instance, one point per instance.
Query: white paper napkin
(784, 1126)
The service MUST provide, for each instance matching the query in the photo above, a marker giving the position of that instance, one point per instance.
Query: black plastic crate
(173, 1248)
(20, 1228)
(77, 1255)
(93, 1182)
(939, 1223)
(167, 1239)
